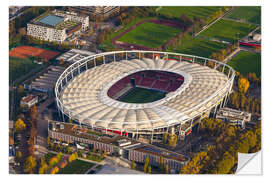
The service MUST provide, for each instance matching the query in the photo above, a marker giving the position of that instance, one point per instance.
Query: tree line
(221, 158)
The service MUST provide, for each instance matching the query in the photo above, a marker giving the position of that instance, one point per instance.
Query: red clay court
(27, 51)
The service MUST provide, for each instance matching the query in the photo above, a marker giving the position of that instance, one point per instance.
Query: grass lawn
(19, 67)
(76, 167)
(108, 42)
(247, 13)
(141, 95)
(246, 62)
(191, 11)
(199, 47)
(228, 30)
(149, 35)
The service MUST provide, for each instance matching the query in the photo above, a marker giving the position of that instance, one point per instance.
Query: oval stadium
(143, 94)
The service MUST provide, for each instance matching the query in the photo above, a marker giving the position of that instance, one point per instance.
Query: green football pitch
(141, 95)
(246, 62)
(150, 35)
(247, 13)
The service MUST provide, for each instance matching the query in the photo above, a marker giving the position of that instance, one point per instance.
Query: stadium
(143, 94)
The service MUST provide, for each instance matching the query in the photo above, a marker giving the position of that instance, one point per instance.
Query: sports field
(141, 95)
(28, 51)
(191, 11)
(247, 13)
(19, 67)
(199, 47)
(246, 62)
(149, 34)
(226, 30)
(76, 167)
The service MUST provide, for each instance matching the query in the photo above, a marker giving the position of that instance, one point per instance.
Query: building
(115, 144)
(29, 101)
(193, 89)
(57, 25)
(45, 81)
(94, 12)
(233, 117)
(74, 55)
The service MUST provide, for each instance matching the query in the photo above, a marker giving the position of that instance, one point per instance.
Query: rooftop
(51, 20)
(28, 98)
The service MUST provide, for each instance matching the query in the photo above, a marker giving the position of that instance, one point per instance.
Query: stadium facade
(195, 86)
(57, 25)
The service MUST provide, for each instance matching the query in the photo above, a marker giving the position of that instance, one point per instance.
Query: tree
(167, 169)
(30, 164)
(20, 125)
(33, 112)
(133, 165)
(161, 162)
(149, 170)
(172, 140)
(20, 89)
(18, 155)
(225, 165)
(53, 161)
(146, 163)
(164, 139)
(243, 85)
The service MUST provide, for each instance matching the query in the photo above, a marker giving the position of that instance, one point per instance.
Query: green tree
(161, 162)
(30, 164)
(225, 165)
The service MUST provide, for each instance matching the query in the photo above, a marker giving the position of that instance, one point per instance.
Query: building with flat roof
(113, 143)
(57, 25)
(233, 116)
(98, 11)
(29, 101)
(74, 55)
(46, 81)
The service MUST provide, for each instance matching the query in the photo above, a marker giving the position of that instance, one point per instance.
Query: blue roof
(51, 20)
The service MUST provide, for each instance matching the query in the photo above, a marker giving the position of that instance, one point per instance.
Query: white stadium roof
(85, 96)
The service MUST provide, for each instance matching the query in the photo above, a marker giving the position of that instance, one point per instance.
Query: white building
(233, 116)
(29, 101)
(57, 26)
(72, 16)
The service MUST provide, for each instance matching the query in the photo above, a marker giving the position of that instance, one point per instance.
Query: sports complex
(143, 94)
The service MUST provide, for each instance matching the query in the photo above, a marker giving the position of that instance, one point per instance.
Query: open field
(199, 47)
(191, 11)
(246, 62)
(141, 95)
(247, 13)
(28, 51)
(226, 30)
(19, 67)
(76, 167)
(149, 34)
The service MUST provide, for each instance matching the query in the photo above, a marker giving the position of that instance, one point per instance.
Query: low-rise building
(113, 143)
(29, 101)
(233, 116)
(98, 11)
(74, 55)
